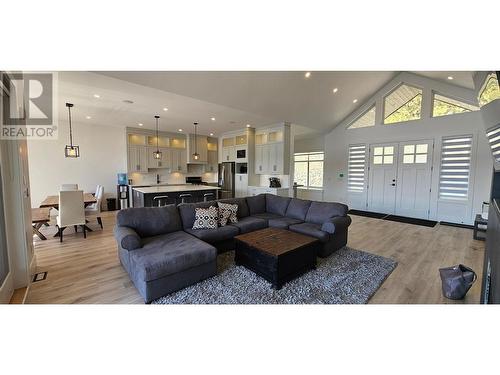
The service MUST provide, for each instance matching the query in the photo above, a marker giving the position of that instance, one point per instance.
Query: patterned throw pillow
(232, 208)
(224, 217)
(206, 218)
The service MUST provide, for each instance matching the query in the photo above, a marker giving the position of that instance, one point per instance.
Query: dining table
(52, 201)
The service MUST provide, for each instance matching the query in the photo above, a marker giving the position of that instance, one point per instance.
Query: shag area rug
(346, 277)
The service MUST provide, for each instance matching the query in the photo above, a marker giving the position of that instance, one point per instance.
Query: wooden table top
(40, 215)
(53, 200)
(275, 241)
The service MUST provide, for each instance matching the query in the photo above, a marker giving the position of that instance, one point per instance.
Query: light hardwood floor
(88, 271)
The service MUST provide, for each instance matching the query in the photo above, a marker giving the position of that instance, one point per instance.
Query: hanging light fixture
(157, 153)
(196, 156)
(71, 151)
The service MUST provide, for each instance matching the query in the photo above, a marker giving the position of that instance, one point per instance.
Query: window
(403, 104)
(490, 90)
(444, 106)
(455, 167)
(383, 155)
(365, 120)
(308, 169)
(356, 168)
(493, 135)
(415, 154)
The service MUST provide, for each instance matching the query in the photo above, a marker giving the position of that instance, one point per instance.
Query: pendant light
(71, 151)
(157, 153)
(196, 156)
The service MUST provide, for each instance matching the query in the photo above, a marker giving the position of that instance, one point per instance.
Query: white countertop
(175, 188)
(267, 187)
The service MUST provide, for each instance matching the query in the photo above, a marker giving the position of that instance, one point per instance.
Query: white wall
(103, 154)
(313, 144)
(337, 142)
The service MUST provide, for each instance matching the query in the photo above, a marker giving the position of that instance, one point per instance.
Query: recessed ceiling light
(165, 109)
(140, 124)
(180, 130)
(355, 101)
(213, 118)
(97, 96)
(248, 125)
(450, 78)
(308, 74)
(88, 117)
(335, 90)
(211, 134)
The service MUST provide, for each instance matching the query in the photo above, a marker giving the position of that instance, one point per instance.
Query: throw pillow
(206, 218)
(224, 217)
(232, 208)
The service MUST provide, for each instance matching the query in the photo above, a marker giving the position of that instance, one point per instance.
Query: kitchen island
(145, 196)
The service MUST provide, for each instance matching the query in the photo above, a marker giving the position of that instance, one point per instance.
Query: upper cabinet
(212, 155)
(272, 151)
(235, 148)
(201, 147)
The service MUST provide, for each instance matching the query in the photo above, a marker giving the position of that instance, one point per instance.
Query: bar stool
(160, 199)
(184, 197)
(208, 196)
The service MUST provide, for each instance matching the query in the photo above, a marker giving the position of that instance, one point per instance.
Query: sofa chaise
(162, 253)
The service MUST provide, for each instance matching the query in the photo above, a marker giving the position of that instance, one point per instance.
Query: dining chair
(94, 210)
(71, 212)
(69, 187)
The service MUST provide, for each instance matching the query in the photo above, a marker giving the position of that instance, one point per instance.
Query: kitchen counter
(171, 194)
(174, 188)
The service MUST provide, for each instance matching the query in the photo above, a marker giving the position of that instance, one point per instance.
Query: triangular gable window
(490, 91)
(403, 104)
(444, 106)
(365, 120)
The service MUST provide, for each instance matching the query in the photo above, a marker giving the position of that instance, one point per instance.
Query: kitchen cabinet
(241, 186)
(228, 153)
(212, 165)
(163, 163)
(201, 148)
(275, 165)
(272, 150)
(137, 159)
(178, 160)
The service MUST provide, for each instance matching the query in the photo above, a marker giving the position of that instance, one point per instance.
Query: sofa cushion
(283, 222)
(256, 204)
(187, 212)
(242, 205)
(310, 229)
(319, 212)
(298, 208)
(150, 221)
(266, 216)
(215, 235)
(250, 224)
(206, 218)
(276, 205)
(168, 254)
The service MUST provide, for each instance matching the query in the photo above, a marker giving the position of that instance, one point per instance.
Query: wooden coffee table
(278, 255)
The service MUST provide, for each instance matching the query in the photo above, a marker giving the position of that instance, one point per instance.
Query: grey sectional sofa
(162, 253)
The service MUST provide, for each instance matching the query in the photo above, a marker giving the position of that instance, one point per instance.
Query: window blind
(455, 167)
(356, 168)
(493, 135)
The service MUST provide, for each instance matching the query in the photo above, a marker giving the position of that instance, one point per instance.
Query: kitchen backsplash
(168, 178)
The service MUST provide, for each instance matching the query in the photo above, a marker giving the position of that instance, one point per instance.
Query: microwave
(241, 154)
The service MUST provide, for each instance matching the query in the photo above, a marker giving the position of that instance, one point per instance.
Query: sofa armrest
(127, 237)
(336, 224)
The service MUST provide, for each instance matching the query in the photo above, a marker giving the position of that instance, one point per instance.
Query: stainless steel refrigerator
(226, 180)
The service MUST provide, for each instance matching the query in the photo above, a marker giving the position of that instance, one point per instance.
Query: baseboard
(449, 224)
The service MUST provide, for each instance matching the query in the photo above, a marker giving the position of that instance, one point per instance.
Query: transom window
(490, 90)
(365, 120)
(383, 155)
(415, 154)
(444, 106)
(308, 169)
(403, 104)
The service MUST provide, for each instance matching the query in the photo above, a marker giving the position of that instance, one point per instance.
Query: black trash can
(111, 204)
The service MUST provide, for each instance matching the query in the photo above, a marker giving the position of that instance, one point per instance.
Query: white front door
(382, 180)
(414, 179)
